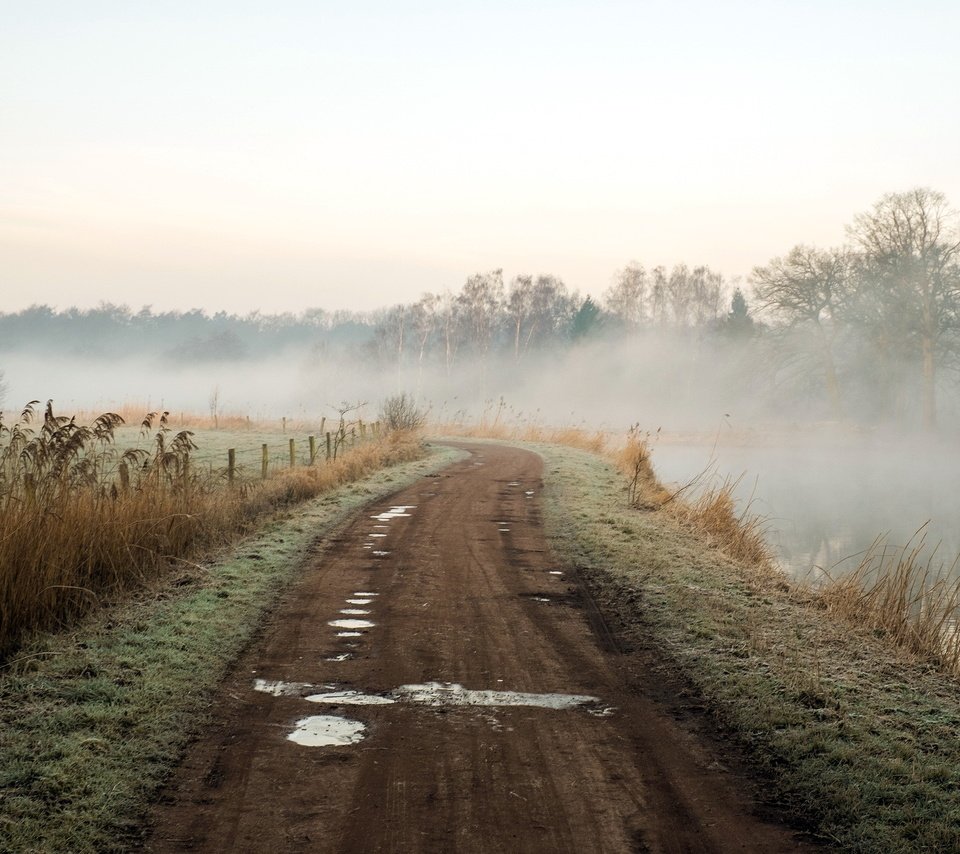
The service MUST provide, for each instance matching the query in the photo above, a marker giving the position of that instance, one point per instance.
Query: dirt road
(436, 683)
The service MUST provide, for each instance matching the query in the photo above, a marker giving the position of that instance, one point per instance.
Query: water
(828, 502)
(351, 624)
(327, 731)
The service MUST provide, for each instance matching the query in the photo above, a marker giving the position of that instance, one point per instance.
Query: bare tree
(910, 246)
(626, 299)
(806, 291)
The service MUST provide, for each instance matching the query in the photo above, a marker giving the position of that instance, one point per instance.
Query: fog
(827, 488)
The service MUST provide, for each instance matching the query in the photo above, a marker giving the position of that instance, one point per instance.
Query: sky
(278, 156)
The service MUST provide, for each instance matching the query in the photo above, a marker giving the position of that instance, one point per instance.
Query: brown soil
(459, 602)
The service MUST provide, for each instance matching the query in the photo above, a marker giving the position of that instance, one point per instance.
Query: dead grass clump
(644, 491)
(712, 511)
(900, 595)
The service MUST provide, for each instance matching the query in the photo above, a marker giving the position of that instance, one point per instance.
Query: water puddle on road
(354, 612)
(343, 656)
(350, 698)
(366, 601)
(278, 688)
(453, 694)
(380, 553)
(365, 593)
(514, 483)
(349, 634)
(555, 572)
(542, 599)
(395, 512)
(529, 493)
(327, 731)
(351, 624)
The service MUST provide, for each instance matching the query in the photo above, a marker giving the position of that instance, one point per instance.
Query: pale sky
(282, 155)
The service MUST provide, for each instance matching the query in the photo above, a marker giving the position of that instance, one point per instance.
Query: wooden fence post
(323, 422)
(284, 423)
(363, 430)
(231, 464)
(329, 451)
(264, 460)
(293, 454)
(313, 448)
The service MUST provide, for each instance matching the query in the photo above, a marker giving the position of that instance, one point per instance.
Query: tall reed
(904, 595)
(81, 519)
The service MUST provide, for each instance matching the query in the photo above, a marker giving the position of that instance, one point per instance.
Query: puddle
(452, 694)
(327, 731)
(380, 553)
(514, 483)
(349, 634)
(378, 536)
(351, 624)
(504, 530)
(342, 657)
(350, 698)
(535, 599)
(359, 601)
(528, 493)
(381, 526)
(278, 688)
(394, 512)
(365, 593)
(354, 612)
(555, 572)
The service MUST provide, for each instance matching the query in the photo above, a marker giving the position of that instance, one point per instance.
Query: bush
(400, 412)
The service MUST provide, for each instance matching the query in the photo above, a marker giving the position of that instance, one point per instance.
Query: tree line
(866, 331)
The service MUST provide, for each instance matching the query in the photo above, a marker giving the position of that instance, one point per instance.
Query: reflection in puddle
(394, 512)
(365, 601)
(503, 530)
(452, 694)
(555, 572)
(354, 612)
(541, 599)
(514, 483)
(327, 731)
(278, 688)
(349, 634)
(351, 624)
(350, 698)
(365, 593)
(342, 657)
(378, 536)
(380, 553)
(528, 493)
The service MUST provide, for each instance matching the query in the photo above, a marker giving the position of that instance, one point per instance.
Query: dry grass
(904, 597)
(82, 519)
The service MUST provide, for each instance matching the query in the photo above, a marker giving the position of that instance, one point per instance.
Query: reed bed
(82, 519)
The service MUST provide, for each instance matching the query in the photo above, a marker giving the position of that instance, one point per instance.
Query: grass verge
(92, 721)
(852, 736)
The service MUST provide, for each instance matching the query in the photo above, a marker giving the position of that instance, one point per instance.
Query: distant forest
(868, 332)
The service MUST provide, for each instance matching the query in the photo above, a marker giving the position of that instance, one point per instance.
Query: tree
(626, 299)
(910, 246)
(585, 320)
(806, 291)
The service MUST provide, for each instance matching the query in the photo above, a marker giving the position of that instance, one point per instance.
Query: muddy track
(551, 744)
